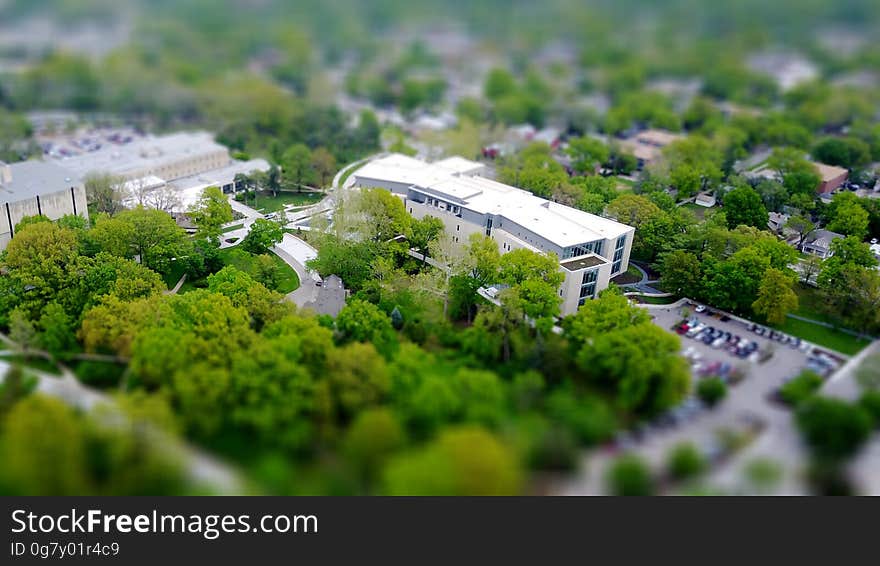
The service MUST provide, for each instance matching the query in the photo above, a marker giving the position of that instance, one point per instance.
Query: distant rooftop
(830, 172)
(146, 153)
(33, 178)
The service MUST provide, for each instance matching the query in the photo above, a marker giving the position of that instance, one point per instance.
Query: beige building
(591, 249)
(648, 146)
(34, 188)
(168, 157)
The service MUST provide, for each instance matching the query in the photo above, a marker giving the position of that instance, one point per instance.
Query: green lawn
(810, 304)
(172, 277)
(632, 275)
(240, 259)
(828, 337)
(699, 211)
(233, 227)
(657, 300)
(268, 203)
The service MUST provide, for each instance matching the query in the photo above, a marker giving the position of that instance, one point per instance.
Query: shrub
(800, 388)
(685, 462)
(711, 391)
(629, 475)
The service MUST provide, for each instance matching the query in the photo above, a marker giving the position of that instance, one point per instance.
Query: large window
(618, 254)
(588, 286)
(582, 249)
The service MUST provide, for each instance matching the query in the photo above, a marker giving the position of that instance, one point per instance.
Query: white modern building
(32, 188)
(591, 249)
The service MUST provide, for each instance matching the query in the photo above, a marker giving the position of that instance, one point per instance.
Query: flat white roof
(33, 178)
(560, 224)
(461, 165)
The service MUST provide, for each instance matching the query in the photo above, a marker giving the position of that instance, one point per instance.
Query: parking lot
(748, 411)
(753, 365)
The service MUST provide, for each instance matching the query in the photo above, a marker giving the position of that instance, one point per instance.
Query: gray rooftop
(33, 178)
(145, 153)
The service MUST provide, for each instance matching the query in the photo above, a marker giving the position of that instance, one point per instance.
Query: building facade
(591, 249)
(34, 188)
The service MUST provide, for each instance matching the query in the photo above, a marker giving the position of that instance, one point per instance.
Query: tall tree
(424, 233)
(297, 162)
(105, 192)
(743, 206)
(210, 213)
(324, 165)
(776, 298)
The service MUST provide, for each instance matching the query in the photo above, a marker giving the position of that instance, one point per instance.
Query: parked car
(700, 308)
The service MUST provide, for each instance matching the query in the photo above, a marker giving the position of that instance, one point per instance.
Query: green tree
(56, 331)
(776, 298)
(802, 225)
(210, 213)
(499, 83)
(799, 176)
(833, 429)
(297, 164)
(262, 236)
(849, 219)
(424, 233)
(105, 192)
(383, 215)
(743, 206)
(360, 321)
(842, 152)
(324, 166)
(373, 437)
(681, 273)
(614, 359)
(587, 154)
(632, 209)
(462, 461)
(801, 388)
(483, 260)
(150, 236)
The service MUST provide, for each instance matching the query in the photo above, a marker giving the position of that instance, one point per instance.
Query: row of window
(618, 254)
(588, 286)
(442, 205)
(582, 249)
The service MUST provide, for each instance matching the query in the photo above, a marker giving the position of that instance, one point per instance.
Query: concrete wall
(184, 166)
(52, 205)
(571, 286)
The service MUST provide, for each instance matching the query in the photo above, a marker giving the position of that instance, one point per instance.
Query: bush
(833, 429)
(870, 403)
(629, 475)
(685, 462)
(99, 374)
(711, 391)
(800, 388)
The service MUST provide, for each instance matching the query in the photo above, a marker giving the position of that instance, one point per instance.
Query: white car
(700, 308)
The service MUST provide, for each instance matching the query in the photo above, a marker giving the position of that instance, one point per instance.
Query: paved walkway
(644, 285)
